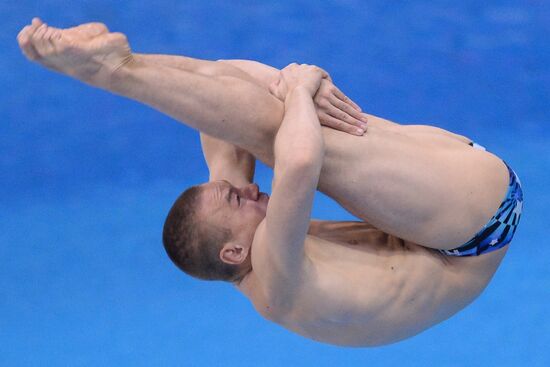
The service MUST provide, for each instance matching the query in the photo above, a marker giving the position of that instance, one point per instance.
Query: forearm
(299, 141)
(227, 162)
(224, 107)
(299, 152)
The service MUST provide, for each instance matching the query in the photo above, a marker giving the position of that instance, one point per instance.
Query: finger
(344, 117)
(334, 123)
(354, 105)
(338, 93)
(347, 108)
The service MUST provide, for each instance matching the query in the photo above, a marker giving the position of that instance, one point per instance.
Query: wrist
(298, 92)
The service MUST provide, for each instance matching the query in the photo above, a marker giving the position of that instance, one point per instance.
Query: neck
(244, 284)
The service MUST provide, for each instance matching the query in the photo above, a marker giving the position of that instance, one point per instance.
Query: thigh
(475, 184)
(435, 132)
(427, 188)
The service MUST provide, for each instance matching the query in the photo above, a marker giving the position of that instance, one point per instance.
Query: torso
(366, 288)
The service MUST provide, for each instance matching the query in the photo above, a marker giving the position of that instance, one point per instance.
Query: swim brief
(500, 229)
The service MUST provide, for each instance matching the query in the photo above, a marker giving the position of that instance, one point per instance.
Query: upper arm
(227, 162)
(279, 256)
(280, 259)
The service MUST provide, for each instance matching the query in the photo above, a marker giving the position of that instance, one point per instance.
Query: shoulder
(273, 289)
(261, 297)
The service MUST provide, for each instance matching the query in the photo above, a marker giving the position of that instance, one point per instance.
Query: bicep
(289, 210)
(279, 259)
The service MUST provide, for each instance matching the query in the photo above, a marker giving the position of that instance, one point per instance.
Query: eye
(238, 200)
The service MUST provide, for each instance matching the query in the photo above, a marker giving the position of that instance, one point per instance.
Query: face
(240, 209)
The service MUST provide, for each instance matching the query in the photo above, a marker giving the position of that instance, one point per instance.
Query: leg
(246, 115)
(221, 105)
(204, 67)
(427, 188)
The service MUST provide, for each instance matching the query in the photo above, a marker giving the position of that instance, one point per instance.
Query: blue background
(87, 178)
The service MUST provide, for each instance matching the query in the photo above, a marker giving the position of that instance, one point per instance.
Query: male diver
(437, 210)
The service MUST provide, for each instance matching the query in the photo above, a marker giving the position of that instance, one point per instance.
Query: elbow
(300, 151)
(302, 162)
(308, 159)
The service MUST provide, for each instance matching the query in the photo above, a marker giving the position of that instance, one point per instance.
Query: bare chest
(363, 287)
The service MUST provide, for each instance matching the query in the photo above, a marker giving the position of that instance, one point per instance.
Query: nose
(251, 191)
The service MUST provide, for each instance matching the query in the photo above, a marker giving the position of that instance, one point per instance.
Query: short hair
(193, 244)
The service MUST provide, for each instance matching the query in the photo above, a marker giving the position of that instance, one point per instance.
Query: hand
(294, 75)
(334, 108)
(337, 111)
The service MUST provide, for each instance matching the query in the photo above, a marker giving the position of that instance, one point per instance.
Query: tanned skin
(416, 188)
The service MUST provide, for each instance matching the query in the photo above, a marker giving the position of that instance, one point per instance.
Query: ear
(233, 253)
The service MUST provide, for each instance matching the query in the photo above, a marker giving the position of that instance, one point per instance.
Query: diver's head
(209, 230)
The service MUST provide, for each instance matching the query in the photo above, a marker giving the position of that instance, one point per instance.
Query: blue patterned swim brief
(500, 229)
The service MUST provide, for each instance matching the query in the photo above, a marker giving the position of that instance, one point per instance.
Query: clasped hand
(334, 108)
